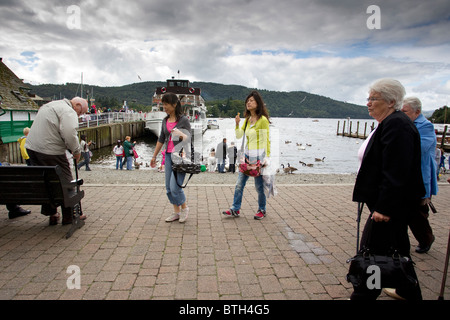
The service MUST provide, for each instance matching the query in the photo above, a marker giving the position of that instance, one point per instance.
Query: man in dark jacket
(232, 155)
(221, 155)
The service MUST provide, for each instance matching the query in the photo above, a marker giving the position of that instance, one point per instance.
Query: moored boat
(213, 124)
(154, 119)
(191, 100)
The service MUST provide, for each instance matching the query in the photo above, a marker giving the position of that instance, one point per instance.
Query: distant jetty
(347, 129)
(443, 139)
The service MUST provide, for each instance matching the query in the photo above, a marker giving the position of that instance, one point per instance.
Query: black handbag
(183, 165)
(394, 270)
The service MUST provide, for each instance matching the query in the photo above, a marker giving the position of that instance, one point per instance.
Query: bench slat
(36, 185)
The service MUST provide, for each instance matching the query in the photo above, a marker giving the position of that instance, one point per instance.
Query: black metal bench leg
(77, 223)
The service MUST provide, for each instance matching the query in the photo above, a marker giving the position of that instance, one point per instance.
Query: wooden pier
(103, 135)
(442, 137)
(360, 133)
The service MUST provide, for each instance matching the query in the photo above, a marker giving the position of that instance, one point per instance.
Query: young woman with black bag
(175, 133)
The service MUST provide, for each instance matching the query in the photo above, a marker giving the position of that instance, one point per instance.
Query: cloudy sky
(332, 48)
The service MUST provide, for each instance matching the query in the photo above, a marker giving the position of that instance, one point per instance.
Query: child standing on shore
(119, 153)
(23, 151)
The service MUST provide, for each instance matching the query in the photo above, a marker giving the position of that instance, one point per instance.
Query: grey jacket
(184, 126)
(54, 129)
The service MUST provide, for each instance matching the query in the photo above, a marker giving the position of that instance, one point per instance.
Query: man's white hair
(414, 103)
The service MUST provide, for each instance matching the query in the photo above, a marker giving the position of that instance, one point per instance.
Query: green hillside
(297, 104)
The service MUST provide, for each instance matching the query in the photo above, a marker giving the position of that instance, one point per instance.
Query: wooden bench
(38, 185)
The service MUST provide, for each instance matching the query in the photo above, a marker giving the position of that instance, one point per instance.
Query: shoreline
(100, 175)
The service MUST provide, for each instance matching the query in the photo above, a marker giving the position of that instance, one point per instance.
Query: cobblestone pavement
(127, 251)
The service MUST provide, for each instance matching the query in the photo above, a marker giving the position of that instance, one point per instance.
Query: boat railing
(95, 120)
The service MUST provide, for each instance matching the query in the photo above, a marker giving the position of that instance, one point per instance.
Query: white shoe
(173, 217)
(391, 292)
(184, 214)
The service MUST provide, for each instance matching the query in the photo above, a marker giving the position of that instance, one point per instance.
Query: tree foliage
(441, 115)
(222, 100)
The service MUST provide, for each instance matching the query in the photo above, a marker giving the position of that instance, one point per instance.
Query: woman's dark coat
(390, 182)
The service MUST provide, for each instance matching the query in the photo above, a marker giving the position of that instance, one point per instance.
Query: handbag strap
(192, 161)
(176, 180)
(243, 138)
(389, 224)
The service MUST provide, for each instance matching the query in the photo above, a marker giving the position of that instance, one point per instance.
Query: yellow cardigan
(257, 135)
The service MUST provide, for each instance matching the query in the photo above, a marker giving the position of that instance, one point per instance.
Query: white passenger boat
(191, 100)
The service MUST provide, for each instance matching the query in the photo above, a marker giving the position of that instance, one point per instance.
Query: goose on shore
(318, 159)
(289, 169)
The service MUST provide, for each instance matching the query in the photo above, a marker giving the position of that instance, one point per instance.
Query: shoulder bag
(184, 165)
(247, 168)
(395, 270)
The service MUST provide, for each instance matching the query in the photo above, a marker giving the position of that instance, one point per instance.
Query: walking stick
(444, 276)
(358, 220)
(77, 212)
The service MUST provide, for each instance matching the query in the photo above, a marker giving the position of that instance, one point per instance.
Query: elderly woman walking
(389, 180)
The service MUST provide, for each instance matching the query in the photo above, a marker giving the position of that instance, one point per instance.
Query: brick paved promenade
(127, 251)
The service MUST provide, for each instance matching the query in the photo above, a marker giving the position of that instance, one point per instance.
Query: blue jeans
(174, 192)
(221, 165)
(86, 160)
(119, 162)
(239, 191)
(130, 163)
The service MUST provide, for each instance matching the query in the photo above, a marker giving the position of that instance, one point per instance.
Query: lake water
(317, 136)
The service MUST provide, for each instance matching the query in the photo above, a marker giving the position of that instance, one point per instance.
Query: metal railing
(95, 120)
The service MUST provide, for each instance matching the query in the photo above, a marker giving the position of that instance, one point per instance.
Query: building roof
(14, 94)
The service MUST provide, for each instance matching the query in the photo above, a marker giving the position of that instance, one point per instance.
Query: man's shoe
(18, 212)
(260, 215)
(53, 221)
(424, 249)
(67, 219)
(231, 213)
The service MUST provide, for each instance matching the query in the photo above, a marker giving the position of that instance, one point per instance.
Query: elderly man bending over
(53, 132)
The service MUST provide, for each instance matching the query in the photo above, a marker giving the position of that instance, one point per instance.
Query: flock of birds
(284, 169)
(289, 169)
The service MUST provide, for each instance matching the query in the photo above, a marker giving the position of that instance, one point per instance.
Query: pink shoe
(231, 213)
(260, 215)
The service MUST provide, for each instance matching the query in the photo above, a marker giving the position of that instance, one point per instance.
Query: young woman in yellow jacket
(257, 147)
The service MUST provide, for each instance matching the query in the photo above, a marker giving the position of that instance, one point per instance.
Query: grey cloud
(214, 41)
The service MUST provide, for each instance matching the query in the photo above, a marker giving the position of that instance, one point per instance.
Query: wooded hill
(222, 100)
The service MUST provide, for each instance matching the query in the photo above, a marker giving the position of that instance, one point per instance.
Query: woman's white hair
(390, 90)
(414, 103)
